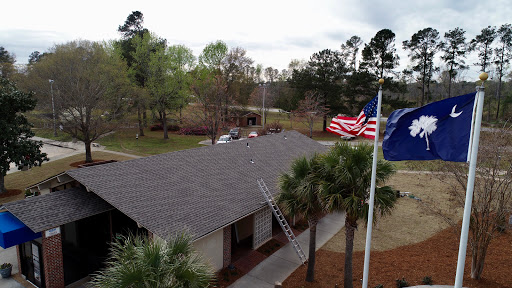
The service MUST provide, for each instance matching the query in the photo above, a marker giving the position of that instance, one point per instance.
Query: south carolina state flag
(362, 125)
(439, 130)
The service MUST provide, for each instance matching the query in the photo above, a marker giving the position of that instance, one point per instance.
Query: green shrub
(427, 280)
(28, 193)
(401, 283)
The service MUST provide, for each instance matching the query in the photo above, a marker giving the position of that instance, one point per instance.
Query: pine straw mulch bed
(78, 163)
(435, 257)
(10, 193)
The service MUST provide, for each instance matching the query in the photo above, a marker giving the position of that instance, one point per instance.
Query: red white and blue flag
(362, 125)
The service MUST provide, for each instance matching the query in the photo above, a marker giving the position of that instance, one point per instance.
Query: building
(210, 192)
(247, 119)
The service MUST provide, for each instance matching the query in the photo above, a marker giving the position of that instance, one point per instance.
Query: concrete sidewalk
(278, 266)
(9, 256)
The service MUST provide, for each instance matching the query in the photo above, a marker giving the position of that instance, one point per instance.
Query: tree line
(96, 84)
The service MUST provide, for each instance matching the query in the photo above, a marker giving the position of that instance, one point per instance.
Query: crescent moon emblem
(453, 114)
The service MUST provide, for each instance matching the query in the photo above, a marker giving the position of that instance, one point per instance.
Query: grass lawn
(22, 179)
(151, 144)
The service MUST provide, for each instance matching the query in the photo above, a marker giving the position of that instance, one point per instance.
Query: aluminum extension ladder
(280, 218)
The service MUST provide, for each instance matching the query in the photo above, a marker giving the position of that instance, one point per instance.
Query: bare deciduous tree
(492, 198)
(209, 92)
(310, 109)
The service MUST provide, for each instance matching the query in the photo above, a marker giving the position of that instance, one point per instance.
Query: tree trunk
(422, 93)
(145, 117)
(349, 248)
(498, 92)
(139, 118)
(477, 264)
(489, 112)
(450, 85)
(478, 253)
(88, 154)
(310, 274)
(325, 123)
(164, 124)
(2, 184)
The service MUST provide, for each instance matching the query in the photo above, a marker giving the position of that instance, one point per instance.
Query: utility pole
(53, 109)
(264, 85)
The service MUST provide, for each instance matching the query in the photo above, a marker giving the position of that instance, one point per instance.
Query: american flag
(362, 125)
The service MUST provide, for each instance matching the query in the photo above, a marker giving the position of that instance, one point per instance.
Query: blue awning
(13, 231)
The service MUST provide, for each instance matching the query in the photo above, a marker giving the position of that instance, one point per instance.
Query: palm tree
(137, 261)
(299, 196)
(346, 178)
(427, 123)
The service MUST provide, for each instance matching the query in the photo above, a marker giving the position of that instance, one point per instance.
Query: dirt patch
(10, 193)
(78, 163)
(435, 257)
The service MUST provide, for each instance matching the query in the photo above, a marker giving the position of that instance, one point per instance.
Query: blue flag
(439, 130)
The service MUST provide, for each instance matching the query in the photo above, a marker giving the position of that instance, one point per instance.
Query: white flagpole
(372, 192)
(472, 126)
(461, 261)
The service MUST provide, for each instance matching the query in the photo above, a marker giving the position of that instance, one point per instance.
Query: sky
(272, 32)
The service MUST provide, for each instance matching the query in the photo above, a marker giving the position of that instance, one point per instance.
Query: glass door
(32, 262)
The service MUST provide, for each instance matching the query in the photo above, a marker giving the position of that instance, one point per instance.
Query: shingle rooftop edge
(57, 208)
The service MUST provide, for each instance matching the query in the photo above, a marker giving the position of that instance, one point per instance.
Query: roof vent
(248, 145)
(285, 137)
(252, 162)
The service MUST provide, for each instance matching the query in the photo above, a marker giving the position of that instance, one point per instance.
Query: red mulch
(10, 192)
(226, 277)
(76, 164)
(435, 257)
(270, 247)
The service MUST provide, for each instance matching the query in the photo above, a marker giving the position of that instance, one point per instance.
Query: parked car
(224, 139)
(235, 133)
(253, 134)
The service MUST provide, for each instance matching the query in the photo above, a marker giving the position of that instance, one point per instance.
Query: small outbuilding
(247, 119)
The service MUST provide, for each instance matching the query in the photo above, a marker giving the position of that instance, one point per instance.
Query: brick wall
(18, 253)
(53, 261)
(226, 246)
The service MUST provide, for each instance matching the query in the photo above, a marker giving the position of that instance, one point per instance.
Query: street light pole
(53, 109)
(264, 85)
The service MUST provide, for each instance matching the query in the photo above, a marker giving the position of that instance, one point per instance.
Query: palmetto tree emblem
(426, 125)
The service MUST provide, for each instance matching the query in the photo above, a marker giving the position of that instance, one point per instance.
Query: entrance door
(32, 262)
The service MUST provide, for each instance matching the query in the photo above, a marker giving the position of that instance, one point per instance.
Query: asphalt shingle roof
(199, 190)
(54, 209)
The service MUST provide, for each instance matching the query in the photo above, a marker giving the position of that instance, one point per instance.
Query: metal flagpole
(472, 127)
(461, 261)
(372, 192)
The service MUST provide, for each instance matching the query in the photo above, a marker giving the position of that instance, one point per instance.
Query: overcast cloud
(272, 32)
